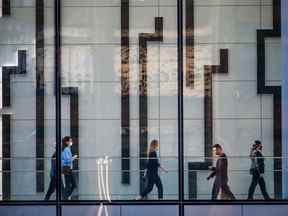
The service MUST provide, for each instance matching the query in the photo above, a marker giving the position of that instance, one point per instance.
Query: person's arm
(259, 163)
(159, 165)
(163, 169)
(212, 174)
(74, 157)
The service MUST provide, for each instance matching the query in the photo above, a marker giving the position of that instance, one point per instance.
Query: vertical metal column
(180, 105)
(285, 96)
(57, 26)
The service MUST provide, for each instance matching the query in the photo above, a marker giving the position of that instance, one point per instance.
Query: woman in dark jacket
(52, 185)
(152, 172)
(257, 171)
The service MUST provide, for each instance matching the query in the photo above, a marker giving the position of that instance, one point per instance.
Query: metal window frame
(181, 202)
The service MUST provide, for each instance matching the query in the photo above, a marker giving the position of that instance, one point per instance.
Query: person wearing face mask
(67, 166)
(257, 170)
(152, 172)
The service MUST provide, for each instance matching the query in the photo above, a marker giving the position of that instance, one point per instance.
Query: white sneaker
(139, 198)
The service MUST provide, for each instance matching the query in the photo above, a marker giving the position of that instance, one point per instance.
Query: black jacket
(153, 163)
(220, 171)
(259, 161)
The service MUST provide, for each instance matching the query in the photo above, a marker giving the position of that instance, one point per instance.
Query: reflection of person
(53, 180)
(220, 174)
(257, 170)
(152, 172)
(67, 165)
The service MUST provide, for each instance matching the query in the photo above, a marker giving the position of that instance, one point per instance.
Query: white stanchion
(103, 184)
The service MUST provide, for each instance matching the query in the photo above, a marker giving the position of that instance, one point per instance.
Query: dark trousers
(52, 187)
(70, 185)
(258, 179)
(153, 179)
(223, 185)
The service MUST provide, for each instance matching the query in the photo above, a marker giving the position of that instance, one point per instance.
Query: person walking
(53, 179)
(152, 172)
(67, 166)
(257, 171)
(220, 174)
(52, 184)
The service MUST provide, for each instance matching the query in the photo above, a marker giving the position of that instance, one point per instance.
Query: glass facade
(189, 74)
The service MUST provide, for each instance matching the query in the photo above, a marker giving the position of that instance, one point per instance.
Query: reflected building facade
(129, 75)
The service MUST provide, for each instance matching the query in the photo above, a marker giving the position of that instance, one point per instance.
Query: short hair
(217, 146)
(257, 142)
(65, 141)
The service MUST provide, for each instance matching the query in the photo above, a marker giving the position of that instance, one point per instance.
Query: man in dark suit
(257, 170)
(220, 174)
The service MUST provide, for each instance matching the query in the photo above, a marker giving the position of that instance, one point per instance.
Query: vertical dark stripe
(193, 167)
(224, 66)
(192, 175)
(209, 70)
(40, 98)
(277, 124)
(6, 157)
(208, 113)
(143, 100)
(6, 120)
(260, 64)
(72, 92)
(125, 94)
(6, 92)
(190, 74)
(10, 70)
(143, 112)
(57, 55)
(22, 56)
(180, 126)
(275, 91)
(74, 123)
(6, 8)
(277, 15)
(6, 139)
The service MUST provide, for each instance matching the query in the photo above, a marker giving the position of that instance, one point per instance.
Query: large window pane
(109, 53)
(232, 95)
(27, 98)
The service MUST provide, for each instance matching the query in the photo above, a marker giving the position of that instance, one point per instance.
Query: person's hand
(164, 170)
(75, 156)
(211, 168)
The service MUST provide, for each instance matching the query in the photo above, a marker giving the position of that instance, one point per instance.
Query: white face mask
(157, 152)
(70, 143)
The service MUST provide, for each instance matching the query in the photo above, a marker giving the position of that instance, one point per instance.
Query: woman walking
(152, 172)
(67, 165)
(52, 184)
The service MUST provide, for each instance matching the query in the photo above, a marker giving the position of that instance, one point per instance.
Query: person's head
(258, 145)
(254, 146)
(217, 149)
(66, 142)
(154, 145)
